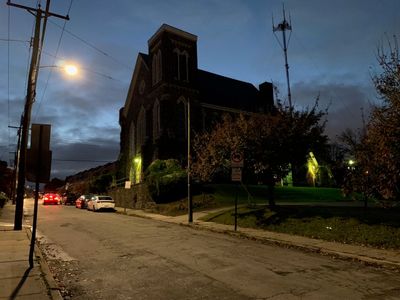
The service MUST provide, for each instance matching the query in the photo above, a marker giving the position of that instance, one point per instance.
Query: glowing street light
(71, 70)
(351, 164)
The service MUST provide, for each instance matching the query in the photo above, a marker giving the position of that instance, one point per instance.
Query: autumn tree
(6, 179)
(270, 143)
(377, 151)
(53, 185)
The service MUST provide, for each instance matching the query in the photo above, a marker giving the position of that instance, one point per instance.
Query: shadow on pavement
(20, 283)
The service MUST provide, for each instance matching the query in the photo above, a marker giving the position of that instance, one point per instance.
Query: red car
(51, 199)
(82, 201)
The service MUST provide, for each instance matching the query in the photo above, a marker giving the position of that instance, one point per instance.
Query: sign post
(237, 163)
(38, 170)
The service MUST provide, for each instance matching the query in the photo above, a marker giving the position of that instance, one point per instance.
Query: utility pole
(30, 98)
(190, 199)
(16, 160)
(284, 26)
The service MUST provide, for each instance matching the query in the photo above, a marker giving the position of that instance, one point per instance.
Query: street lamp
(71, 70)
(30, 98)
(189, 191)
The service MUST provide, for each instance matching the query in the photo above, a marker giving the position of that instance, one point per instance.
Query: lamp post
(31, 91)
(190, 202)
(30, 97)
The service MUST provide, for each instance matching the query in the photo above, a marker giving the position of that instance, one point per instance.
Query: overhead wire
(8, 81)
(13, 40)
(39, 104)
(92, 46)
(82, 160)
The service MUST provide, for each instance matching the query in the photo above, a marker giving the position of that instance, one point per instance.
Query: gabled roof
(174, 30)
(141, 60)
(146, 58)
(227, 92)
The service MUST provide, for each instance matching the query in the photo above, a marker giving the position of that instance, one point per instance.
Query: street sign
(237, 160)
(38, 157)
(128, 184)
(237, 174)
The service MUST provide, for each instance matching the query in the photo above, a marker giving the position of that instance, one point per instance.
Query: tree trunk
(271, 186)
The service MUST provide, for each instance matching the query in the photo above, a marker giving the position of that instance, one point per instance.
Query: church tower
(154, 119)
(173, 55)
(173, 59)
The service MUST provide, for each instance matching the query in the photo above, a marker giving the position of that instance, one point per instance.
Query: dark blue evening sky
(332, 53)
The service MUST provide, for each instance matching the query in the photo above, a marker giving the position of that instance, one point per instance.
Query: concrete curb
(51, 284)
(366, 260)
(211, 226)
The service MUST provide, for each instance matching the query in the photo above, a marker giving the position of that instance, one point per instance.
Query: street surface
(106, 255)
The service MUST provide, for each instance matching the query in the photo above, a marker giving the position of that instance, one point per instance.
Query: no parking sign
(237, 165)
(237, 160)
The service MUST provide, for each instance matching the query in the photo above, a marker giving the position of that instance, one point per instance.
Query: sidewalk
(378, 257)
(17, 280)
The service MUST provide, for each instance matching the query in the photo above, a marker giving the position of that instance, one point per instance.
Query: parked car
(101, 203)
(81, 202)
(69, 199)
(51, 198)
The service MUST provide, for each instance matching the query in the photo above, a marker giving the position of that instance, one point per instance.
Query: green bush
(101, 184)
(3, 199)
(166, 180)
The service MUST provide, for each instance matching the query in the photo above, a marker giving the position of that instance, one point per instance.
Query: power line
(92, 46)
(31, 91)
(8, 75)
(12, 40)
(83, 160)
(54, 61)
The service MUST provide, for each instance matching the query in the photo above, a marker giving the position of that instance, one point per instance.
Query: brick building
(154, 118)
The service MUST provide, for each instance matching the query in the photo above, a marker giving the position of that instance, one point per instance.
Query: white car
(101, 202)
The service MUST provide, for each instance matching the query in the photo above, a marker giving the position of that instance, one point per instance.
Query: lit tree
(270, 143)
(377, 151)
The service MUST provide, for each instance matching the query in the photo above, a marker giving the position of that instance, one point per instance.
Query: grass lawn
(374, 227)
(223, 195)
(306, 216)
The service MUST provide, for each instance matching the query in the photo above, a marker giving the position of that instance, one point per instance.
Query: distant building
(154, 119)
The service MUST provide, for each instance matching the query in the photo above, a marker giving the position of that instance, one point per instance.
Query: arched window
(176, 63)
(159, 66)
(156, 67)
(153, 70)
(132, 140)
(181, 117)
(141, 128)
(181, 65)
(156, 120)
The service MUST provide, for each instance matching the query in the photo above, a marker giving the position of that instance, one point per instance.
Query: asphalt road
(113, 256)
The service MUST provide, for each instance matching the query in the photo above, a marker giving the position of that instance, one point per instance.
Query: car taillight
(45, 198)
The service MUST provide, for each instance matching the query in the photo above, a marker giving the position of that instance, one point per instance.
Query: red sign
(237, 160)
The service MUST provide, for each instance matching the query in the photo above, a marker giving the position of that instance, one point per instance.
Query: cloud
(346, 103)
(71, 158)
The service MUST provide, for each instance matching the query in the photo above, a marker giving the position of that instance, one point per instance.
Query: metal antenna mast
(284, 26)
